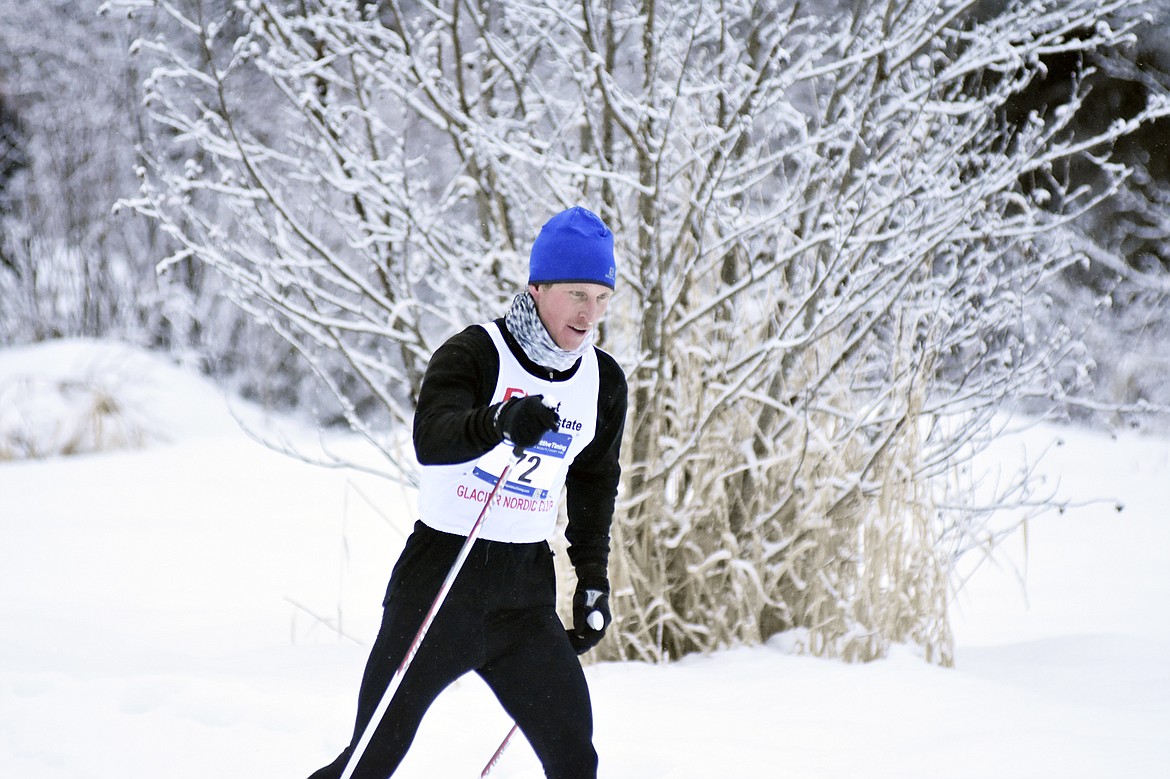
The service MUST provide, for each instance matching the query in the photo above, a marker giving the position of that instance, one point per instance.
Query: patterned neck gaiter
(525, 326)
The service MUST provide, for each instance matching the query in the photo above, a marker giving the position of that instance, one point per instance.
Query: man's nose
(590, 311)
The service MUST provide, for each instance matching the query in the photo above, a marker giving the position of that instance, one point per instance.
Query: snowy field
(163, 616)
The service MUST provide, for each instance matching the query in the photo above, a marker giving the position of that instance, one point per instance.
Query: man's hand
(523, 421)
(591, 614)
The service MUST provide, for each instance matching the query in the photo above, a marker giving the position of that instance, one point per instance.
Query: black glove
(523, 421)
(591, 597)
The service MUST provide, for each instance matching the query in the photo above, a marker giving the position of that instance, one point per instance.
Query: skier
(485, 392)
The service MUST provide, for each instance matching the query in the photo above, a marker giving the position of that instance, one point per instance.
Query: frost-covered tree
(71, 128)
(1128, 238)
(830, 268)
(69, 268)
(12, 158)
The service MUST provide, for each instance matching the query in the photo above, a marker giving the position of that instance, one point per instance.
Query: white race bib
(525, 508)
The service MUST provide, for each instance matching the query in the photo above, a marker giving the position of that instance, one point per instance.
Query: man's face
(570, 311)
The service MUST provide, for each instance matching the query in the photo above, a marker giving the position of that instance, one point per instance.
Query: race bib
(538, 471)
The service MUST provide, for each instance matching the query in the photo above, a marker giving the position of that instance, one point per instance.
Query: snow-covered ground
(163, 609)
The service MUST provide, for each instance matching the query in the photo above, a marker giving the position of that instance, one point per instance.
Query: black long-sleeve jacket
(453, 424)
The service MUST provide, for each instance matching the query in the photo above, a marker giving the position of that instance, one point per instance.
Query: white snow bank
(163, 616)
(80, 396)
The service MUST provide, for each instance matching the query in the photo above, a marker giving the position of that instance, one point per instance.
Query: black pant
(500, 621)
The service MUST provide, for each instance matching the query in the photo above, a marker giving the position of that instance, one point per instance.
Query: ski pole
(396, 680)
(487, 769)
(597, 622)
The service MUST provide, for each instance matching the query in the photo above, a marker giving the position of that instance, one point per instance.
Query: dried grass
(59, 418)
(822, 526)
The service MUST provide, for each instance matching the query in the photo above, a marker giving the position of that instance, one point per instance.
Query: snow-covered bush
(49, 419)
(828, 266)
(87, 401)
(80, 396)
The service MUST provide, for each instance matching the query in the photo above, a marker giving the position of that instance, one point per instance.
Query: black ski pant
(499, 621)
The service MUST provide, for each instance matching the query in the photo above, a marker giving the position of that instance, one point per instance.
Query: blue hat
(573, 246)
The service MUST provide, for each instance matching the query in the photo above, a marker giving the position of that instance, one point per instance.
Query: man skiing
(488, 391)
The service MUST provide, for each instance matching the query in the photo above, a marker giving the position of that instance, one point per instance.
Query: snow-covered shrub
(42, 417)
(77, 396)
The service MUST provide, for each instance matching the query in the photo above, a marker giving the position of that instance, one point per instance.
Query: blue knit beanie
(574, 246)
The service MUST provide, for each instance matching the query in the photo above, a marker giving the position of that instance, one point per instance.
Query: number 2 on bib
(541, 468)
